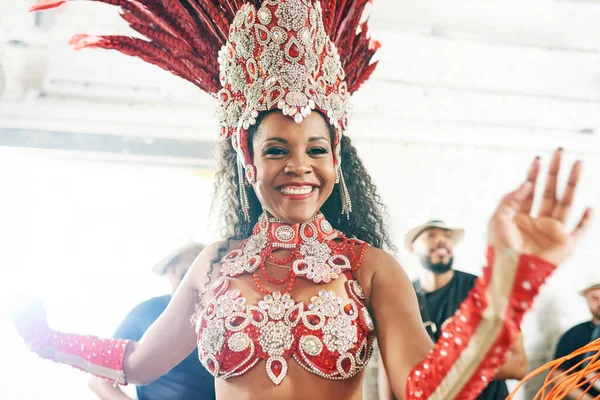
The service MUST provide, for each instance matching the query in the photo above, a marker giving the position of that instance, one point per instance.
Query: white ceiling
(567, 24)
(449, 70)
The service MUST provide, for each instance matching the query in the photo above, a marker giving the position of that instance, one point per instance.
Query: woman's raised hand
(545, 235)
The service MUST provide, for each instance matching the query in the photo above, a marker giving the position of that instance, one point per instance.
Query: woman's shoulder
(218, 249)
(208, 260)
(374, 261)
(375, 257)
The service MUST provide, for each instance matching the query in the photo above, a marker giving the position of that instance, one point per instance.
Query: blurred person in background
(440, 290)
(576, 338)
(188, 380)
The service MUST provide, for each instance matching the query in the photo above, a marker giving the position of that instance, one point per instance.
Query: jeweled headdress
(253, 56)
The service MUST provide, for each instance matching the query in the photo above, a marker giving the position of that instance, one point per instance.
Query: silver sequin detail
(291, 14)
(276, 304)
(237, 78)
(331, 66)
(327, 303)
(311, 345)
(239, 342)
(275, 338)
(276, 335)
(244, 44)
(239, 261)
(293, 76)
(284, 233)
(318, 263)
(326, 226)
(271, 60)
(233, 112)
(339, 334)
(264, 16)
(213, 336)
(229, 303)
(290, 52)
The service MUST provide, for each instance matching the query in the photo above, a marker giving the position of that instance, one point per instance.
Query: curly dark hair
(368, 212)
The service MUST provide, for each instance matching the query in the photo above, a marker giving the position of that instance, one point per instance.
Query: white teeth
(296, 189)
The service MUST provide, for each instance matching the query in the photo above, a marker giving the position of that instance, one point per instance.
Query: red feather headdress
(253, 56)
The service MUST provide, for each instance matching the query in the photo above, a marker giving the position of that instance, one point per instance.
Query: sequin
(213, 336)
(230, 303)
(293, 76)
(331, 66)
(311, 345)
(275, 338)
(284, 233)
(329, 340)
(236, 78)
(246, 259)
(238, 342)
(264, 15)
(318, 263)
(244, 44)
(287, 39)
(291, 14)
(339, 334)
(326, 226)
(331, 337)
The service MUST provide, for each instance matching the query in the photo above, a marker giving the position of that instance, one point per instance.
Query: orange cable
(567, 380)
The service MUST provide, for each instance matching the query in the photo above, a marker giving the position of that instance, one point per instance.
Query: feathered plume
(184, 36)
(343, 20)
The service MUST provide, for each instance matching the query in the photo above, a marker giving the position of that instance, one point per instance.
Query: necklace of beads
(313, 249)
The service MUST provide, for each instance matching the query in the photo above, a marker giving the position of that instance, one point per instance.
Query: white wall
(82, 237)
(462, 184)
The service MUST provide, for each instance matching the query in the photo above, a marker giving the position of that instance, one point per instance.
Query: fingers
(549, 200)
(512, 202)
(532, 176)
(583, 224)
(563, 207)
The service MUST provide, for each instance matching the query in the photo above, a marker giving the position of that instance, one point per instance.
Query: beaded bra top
(332, 337)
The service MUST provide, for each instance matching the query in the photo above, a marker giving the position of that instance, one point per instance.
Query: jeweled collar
(285, 235)
(316, 256)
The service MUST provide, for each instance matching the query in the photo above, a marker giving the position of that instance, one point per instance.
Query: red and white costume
(332, 336)
(296, 56)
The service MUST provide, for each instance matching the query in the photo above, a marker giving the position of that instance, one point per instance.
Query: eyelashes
(318, 150)
(274, 151)
(278, 151)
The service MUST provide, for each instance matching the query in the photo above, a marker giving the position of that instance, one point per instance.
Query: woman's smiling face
(295, 173)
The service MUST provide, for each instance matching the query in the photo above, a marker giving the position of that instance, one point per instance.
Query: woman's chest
(329, 333)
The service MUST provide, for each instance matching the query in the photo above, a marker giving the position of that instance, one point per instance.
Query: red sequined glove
(474, 344)
(101, 357)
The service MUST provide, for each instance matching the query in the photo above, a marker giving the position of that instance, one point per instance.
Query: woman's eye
(318, 150)
(274, 151)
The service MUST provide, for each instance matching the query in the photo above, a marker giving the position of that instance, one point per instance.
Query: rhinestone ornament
(289, 43)
(328, 336)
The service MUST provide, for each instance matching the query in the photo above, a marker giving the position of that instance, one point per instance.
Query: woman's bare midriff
(298, 384)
